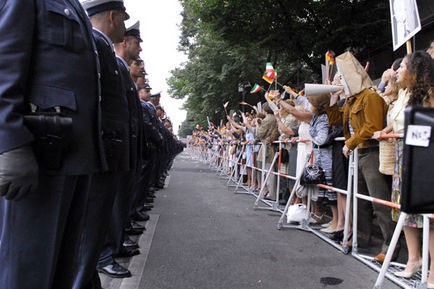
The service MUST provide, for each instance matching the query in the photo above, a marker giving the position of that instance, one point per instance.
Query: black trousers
(118, 219)
(48, 239)
(141, 189)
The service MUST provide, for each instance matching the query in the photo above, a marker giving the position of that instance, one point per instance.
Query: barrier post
(425, 249)
(351, 164)
(355, 201)
(260, 196)
(392, 245)
(234, 171)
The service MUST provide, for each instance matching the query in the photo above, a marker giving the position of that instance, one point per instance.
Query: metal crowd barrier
(220, 161)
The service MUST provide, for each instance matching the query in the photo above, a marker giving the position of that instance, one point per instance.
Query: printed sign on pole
(405, 21)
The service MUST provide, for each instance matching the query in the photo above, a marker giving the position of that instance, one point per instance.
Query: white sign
(405, 21)
(418, 135)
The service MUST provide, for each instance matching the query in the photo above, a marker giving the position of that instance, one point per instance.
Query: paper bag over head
(356, 78)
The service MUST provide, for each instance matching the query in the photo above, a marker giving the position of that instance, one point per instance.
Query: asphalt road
(202, 236)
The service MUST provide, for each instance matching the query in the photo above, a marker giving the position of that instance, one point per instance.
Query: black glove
(18, 173)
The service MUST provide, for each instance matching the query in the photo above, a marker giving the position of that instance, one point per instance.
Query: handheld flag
(245, 103)
(225, 105)
(330, 57)
(269, 70)
(267, 79)
(329, 62)
(256, 88)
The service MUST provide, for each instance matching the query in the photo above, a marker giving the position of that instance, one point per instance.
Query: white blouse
(397, 112)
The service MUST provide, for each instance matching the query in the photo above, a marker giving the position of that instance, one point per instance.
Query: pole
(409, 46)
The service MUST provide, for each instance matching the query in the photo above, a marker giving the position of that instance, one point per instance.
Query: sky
(159, 29)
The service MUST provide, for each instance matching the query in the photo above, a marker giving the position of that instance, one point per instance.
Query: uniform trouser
(155, 163)
(163, 165)
(373, 183)
(150, 170)
(45, 238)
(141, 190)
(118, 219)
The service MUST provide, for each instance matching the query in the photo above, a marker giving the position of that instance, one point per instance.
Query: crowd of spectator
(310, 126)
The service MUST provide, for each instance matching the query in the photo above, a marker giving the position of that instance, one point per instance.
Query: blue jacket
(48, 58)
(114, 107)
(135, 116)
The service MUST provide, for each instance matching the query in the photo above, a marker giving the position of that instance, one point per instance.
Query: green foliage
(229, 41)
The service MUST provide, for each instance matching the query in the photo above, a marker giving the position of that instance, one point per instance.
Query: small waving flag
(199, 127)
(225, 105)
(330, 57)
(256, 88)
(269, 71)
(267, 79)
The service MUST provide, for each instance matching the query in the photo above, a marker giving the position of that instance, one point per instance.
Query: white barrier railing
(352, 186)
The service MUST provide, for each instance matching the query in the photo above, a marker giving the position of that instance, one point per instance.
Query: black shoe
(147, 207)
(115, 270)
(127, 252)
(140, 216)
(160, 186)
(133, 232)
(136, 225)
(130, 244)
(337, 236)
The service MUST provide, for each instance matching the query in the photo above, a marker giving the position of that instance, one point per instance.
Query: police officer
(50, 142)
(117, 243)
(153, 140)
(164, 149)
(107, 18)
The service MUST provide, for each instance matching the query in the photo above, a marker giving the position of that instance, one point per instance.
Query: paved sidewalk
(202, 236)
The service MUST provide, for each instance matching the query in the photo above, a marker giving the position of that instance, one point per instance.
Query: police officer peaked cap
(134, 30)
(97, 6)
(158, 94)
(146, 86)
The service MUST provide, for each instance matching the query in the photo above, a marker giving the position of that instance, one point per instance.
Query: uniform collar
(105, 38)
(123, 62)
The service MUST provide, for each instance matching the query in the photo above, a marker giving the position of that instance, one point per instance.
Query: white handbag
(296, 213)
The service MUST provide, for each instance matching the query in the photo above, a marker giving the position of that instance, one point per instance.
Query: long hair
(420, 65)
(320, 102)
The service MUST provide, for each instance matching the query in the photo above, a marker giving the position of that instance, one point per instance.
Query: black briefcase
(417, 188)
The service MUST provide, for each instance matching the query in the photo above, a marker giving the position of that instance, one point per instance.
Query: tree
(228, 42)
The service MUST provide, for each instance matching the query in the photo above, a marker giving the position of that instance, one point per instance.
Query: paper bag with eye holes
(355, 77)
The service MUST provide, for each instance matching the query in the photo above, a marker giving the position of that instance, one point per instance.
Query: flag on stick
(225, 105)
(330, 57)
(256, 88)
(267, 79)
(329, 62)
(269, 70)
(245, 103)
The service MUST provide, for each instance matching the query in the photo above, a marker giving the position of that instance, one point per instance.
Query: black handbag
(312, 174)
(284, 157)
